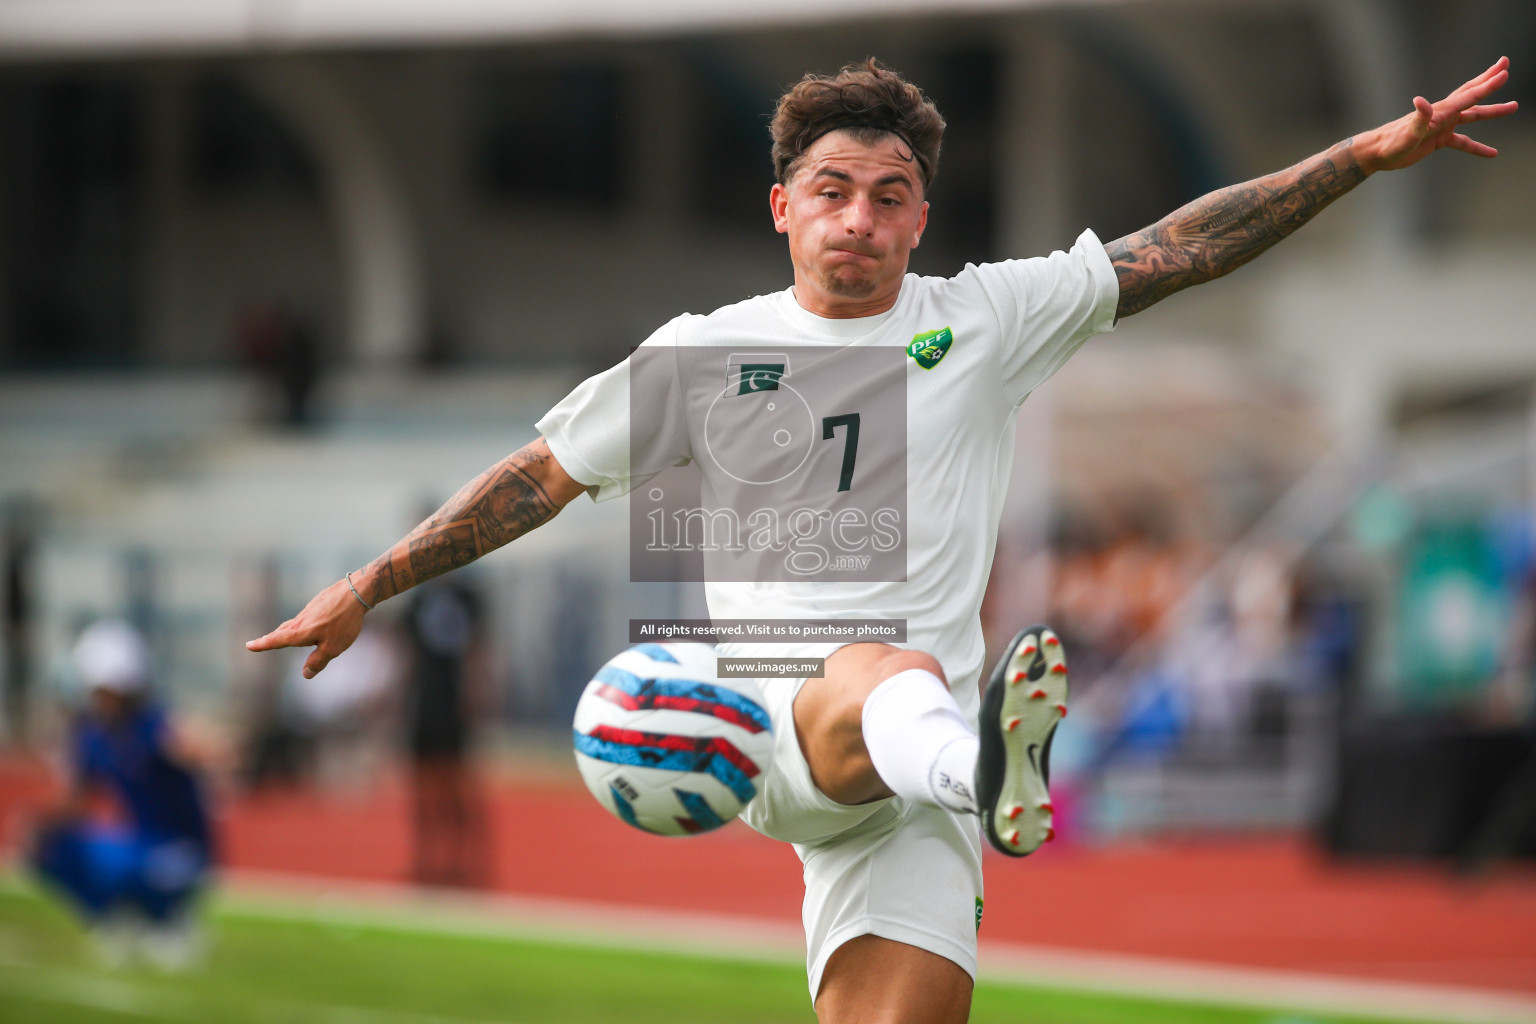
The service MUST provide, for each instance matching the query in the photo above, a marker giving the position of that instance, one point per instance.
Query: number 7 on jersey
(829, 425)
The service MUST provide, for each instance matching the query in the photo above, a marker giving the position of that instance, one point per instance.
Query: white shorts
(901, 870)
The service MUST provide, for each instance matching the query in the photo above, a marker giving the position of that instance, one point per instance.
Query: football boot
(1026, 697)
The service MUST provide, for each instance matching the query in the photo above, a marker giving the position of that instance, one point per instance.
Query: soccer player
(884, 765)
(134, 882)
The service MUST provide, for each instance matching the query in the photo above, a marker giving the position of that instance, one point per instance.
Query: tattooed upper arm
(1146, 269)
(1218, 233)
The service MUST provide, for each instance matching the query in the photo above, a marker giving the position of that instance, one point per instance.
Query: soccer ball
(666, 746)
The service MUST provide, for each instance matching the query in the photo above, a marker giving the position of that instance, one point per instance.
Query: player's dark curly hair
(869, 100)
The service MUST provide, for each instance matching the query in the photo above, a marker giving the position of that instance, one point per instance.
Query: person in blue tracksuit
(133, 880)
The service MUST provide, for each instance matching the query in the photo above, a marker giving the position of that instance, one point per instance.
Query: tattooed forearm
(498, 506)
(1218, 233)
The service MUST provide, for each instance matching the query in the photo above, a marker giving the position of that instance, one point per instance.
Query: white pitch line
(1191, 981)
(77, 988)
(135, 998)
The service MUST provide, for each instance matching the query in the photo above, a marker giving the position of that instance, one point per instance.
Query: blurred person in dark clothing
(133, 880)
(444, 695)
(17, 583)
(282, 347)
(1507, 829)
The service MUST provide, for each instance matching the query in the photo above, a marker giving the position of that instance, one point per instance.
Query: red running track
(1261, 902)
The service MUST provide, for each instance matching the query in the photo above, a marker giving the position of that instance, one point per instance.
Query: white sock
(919, 741)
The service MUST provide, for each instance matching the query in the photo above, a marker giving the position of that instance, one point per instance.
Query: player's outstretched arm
(1217, 233)
(522, 491)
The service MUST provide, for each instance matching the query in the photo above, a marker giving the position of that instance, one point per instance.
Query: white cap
(110, 655)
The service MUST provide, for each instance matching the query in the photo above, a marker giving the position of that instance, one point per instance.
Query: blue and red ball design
(667, 746)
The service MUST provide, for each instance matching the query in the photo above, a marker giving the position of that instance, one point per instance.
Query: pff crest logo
(929, 347)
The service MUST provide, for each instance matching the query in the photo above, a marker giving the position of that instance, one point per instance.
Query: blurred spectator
(1114, 586)
(1512, 694)
(1509, 825)
(275, 752)
(339, 718)
(274, 342)
(133, 880)
(272, 749)
(445, 692)
(1328, 619)
(16, 565)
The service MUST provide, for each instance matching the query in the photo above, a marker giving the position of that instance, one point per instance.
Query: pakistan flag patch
(929, 347)
(978, 913)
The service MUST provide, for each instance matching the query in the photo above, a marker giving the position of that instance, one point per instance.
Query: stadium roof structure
(50, 29)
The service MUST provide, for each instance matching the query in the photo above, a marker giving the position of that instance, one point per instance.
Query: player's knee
(899, 661)
(847, 704)
(835, 713)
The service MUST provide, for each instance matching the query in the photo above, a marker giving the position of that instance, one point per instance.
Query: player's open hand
(329, 624)
(1433, 126)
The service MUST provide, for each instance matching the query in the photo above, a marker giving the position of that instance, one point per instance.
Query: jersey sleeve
(623, 426)
(1047, 307)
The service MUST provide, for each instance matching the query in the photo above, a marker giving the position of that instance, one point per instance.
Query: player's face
(853, 214)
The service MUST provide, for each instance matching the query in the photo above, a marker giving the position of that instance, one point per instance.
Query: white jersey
(1011, 325)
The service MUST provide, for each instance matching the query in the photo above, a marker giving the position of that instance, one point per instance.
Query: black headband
(918, 157)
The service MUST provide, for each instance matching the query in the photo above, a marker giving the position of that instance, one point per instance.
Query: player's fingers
(1474, 91)
(264, 643)
(1493, 83)
(1484, 111)
(316, 662)
(286, 635)
(1502, 64)
(1466, 145)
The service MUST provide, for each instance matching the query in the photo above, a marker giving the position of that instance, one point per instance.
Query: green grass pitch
(265, 967)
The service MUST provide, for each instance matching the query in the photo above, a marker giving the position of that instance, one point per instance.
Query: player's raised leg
(883, 722)
(871, 980)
